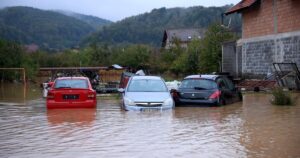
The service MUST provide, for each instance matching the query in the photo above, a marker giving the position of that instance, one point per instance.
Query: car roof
(72, 78)
(146, 77)
(209, 77)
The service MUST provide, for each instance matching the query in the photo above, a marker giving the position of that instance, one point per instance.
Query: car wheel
(240, 95)
(177, 103)
(221, 102)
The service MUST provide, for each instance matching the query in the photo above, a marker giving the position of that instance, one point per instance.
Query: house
(183, 36)
(270, 34)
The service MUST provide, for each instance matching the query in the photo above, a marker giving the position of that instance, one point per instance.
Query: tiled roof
(241, 5)
(185, 35)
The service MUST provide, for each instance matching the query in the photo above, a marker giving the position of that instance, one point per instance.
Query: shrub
(281, 97)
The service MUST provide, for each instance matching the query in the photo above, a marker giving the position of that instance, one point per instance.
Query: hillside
(49, 30)
(148, 28)
(91, 20)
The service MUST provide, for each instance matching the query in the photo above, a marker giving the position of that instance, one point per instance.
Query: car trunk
(63, 95)
(195, 94)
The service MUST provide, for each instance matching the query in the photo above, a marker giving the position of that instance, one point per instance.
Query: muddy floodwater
(252, 128)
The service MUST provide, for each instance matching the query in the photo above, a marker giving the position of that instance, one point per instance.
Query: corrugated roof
(241, 5)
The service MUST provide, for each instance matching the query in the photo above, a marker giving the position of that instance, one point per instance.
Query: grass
(281, 97)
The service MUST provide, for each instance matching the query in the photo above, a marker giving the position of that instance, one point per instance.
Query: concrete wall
(231, 59)
(271, 17)
(258, 54)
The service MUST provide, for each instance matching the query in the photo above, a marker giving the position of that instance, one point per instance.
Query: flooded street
(254, 128)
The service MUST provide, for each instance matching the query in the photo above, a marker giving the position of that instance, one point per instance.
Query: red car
(71, 92)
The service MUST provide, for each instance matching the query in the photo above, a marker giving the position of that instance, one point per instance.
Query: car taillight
(91, 96)
(50, 95)
(215, 95)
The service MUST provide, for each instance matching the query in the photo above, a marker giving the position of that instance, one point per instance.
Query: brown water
(253, 128)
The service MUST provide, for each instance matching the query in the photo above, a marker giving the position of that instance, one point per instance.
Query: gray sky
(112, 9)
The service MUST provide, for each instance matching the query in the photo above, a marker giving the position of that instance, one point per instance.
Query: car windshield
(147, 85)
(199, 84)
(71, 83)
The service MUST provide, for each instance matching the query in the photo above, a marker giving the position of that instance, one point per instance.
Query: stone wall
(259, 54)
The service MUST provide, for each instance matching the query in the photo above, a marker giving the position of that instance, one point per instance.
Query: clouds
(112, 9)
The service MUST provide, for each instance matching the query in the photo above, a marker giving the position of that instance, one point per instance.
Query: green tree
(134, 56)
(192, 61)
(211, 53)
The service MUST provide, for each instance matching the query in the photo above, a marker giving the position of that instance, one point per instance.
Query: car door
(226, 89)
(234, 91)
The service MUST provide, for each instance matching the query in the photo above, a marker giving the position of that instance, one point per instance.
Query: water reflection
(79, 117)
(18, 92)
(270, 131)
(254, 128)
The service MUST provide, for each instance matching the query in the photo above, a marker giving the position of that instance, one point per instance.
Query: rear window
(200, 84)
(82, 84)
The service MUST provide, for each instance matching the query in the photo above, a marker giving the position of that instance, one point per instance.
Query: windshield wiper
(199, 88)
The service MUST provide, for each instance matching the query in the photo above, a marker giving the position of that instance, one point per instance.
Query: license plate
(70, 96)
(149, 109)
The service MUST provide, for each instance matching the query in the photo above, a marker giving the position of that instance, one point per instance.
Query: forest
(51, 31)
(70, 39)
(201, 56)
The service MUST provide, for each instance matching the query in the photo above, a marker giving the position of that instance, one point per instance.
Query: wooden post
(24, 76)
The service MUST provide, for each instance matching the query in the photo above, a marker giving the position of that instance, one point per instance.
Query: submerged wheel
(240, 95)
(221, 102)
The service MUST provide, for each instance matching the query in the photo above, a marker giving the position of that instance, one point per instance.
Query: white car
(146, 92)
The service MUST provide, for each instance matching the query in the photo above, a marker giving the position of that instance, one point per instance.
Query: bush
(281, 97)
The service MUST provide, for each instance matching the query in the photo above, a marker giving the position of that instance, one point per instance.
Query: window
(71, 83)
(198, 84)
(221, 83)
(230, 85)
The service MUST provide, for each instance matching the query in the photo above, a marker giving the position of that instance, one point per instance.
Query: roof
(210, 77)
(72, 78)
(240, 6)
(146, 77)
(184, 35)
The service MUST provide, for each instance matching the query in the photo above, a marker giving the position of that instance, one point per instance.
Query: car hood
(148, 96)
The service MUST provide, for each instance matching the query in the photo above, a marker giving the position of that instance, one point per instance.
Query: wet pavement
(254, 128)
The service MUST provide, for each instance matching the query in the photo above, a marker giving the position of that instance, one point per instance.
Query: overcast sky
(112, 9)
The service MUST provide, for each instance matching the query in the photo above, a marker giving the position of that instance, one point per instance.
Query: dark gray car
(206, 90)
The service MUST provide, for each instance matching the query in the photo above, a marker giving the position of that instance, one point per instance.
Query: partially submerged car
(146, 92)
(206, 90)
(71, 92)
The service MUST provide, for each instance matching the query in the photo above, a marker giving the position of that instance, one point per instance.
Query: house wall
(231, 58)
(259, 53)
(271, 17)
(271, 33)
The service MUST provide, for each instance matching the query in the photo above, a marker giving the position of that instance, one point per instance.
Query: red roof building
(266, 17)
(270, 34)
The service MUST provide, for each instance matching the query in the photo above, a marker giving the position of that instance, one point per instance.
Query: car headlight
(168, 102)
(128, 101)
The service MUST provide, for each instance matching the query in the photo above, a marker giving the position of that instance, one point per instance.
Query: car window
(72, 83)
(222, 84)
(147, 85)
(229, 83)
(198, 84)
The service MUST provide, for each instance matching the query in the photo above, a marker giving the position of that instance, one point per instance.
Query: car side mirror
(50, 84)
(121, 90)
(173, 90)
